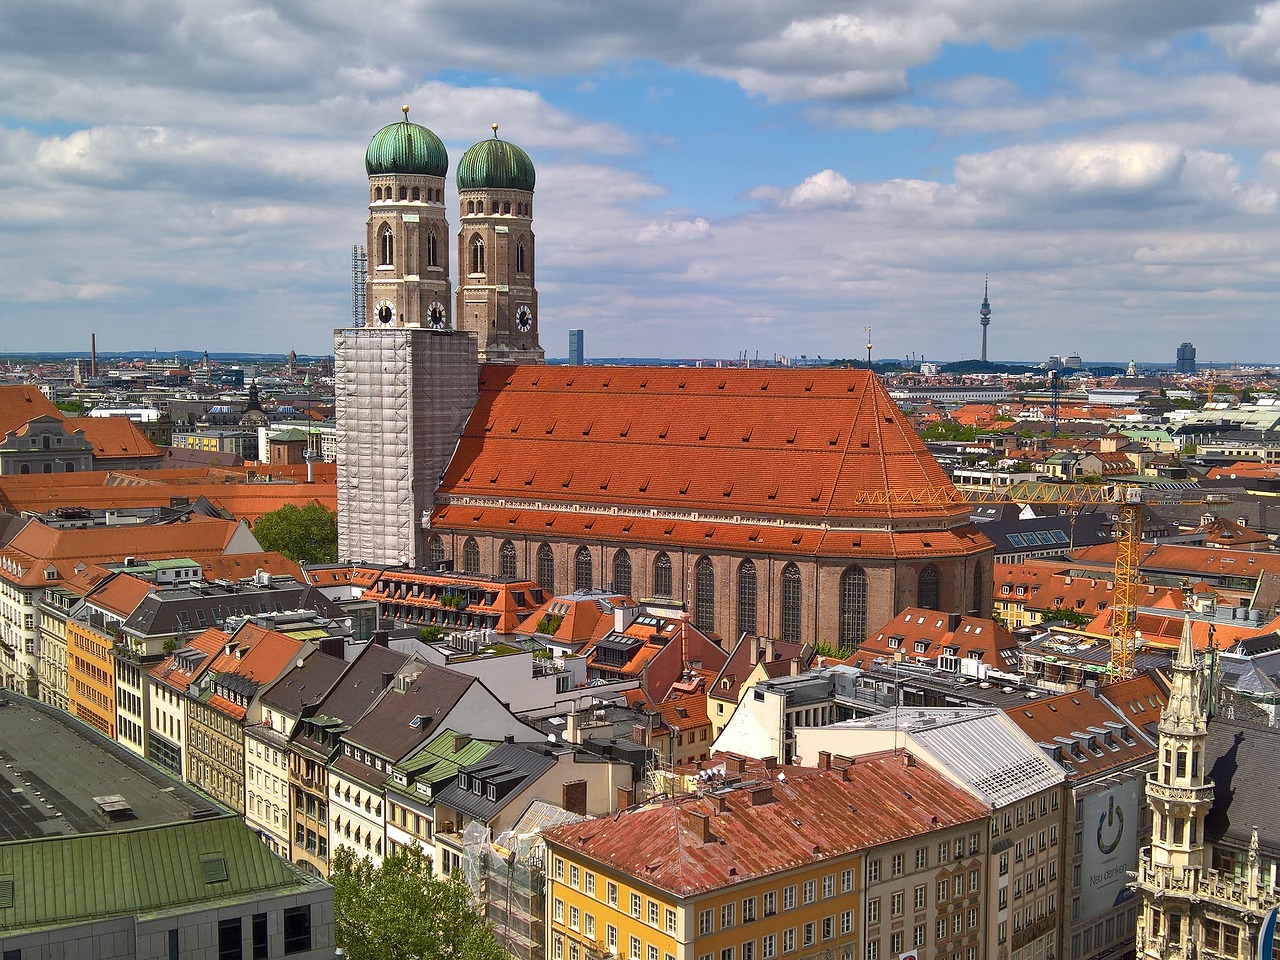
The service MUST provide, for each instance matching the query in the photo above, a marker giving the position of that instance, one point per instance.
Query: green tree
(399, 911)
(303, 534)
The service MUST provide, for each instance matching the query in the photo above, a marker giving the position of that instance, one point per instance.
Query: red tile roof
(18, 404)
(708, 841)
(708, 440)
(929, 634)
(1083, 720)
(114, 438)
(257, 654)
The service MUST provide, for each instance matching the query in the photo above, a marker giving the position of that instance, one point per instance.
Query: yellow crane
(1127, 501)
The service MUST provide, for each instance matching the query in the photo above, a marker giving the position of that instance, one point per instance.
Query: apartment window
(940, 930)
(973, 918)
(789, 940)
(922, 858)
(557, 911)
(748, 909)
(943, 886)
(671, 920)
(259, 936)
(917, 936)
(973, 880)
(810, 891)
(590, 886)
(559, 861)
(557, 947)
(873, 950)
(895, 904)
(748, 951)
(768, 946)
(706, 922)
(653, 913)
(873, 871)
(611, 893)
(944, 852)
(635, 948)
(810, 933)
(575, 875)
(873, 911)
(846, 922)
(1002, 931)
(727, 912)
(230, 946)
(770, 903)
(574, 917)
(920, 897)
(635, 905)
(846, 881)
(611, 937)
(828, 886)
(897, 864)
(895, 943)
(789, 897)
(589, 926)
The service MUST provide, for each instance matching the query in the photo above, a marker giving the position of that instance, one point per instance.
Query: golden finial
(494, 126)
(404, 108)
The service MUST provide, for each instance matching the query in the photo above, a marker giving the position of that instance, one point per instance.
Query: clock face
(385, 311)
(435, 315)
(524, 318)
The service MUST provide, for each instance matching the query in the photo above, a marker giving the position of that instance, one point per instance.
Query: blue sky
(714, 177)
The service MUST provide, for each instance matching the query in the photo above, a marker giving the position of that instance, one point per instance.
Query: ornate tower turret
(497, 297)
(408, 282)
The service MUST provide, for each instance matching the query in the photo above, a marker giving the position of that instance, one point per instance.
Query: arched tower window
(471, 555)
(520, 257)
(433, 250)
(928, 588)
(507, 560)
(582, 569)
(386, 247)
(546, 569)
(435, 553)
(853, 606)
(746, 597)
(377, 193)
(704, 595)
(791, 603)
(622, 573)
(662, 576)
(417, 195)
(477, 255)
(976, 599)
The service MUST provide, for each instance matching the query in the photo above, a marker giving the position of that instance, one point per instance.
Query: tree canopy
(400, 911)
(306, 534)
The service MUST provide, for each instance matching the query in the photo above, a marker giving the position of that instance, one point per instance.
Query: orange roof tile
(709, 440)
(1071, 714)
(114, 437)
(120, 594)
(18, 404)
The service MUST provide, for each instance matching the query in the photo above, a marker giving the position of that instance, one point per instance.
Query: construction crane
(1125, 498)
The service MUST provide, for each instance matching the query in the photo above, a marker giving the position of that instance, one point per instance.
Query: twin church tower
(408, 282)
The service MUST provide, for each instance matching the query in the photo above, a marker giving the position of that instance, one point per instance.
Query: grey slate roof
(1243, 761)
(508, 768)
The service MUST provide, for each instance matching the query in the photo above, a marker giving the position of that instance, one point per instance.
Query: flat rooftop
(54, 770)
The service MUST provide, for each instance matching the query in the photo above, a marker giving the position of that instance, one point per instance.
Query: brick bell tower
(497, 299)
(408, 281)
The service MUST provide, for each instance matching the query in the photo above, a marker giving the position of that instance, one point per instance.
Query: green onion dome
(406, 147)
(495, 163)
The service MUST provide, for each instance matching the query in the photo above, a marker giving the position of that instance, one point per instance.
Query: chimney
(908, 760)
(739, 764)
(755, 652)
(762, 795)
(848, 771)
(768, 650)
(824, 759)
(574, 796)
(626, 797)
(624, 615)
(387, 679)
(771, 763)
(702, 826)
(795, 666)
(460, 740)
(572, 733)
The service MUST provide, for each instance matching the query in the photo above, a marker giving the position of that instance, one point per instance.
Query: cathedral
(797, 504)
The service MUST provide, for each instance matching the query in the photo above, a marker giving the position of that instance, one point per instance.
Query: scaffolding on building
(507, 877)
(359, 273)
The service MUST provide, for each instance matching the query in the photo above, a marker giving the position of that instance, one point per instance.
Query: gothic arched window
(520, 257)
(622, 573)
(471, 556)
(582, 569)
(435, 553)
(507, 560)
(433, 250)
(746, 597)
(853, 606)
(928, 588)
(477, 255)
(791, 603)
(546, 569)
(704, 595)
(662, 576)
(386, 247)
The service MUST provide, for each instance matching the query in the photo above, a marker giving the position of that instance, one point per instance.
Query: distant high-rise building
(577, 348)
(1186, 358)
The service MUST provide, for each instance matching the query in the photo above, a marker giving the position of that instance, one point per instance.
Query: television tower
(985, 315)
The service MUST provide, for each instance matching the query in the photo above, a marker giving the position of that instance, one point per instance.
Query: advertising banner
(1110, 848)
